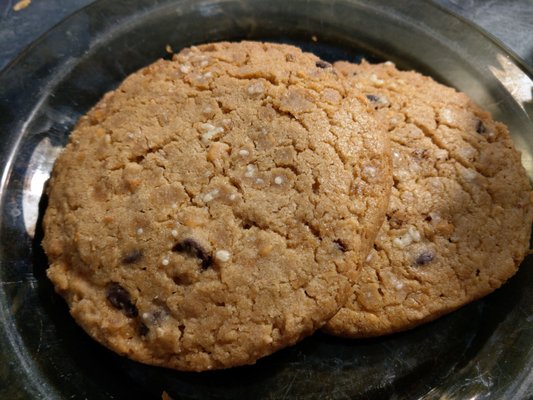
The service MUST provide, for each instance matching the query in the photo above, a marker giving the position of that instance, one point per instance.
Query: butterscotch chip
(460, 213)
(222, 206)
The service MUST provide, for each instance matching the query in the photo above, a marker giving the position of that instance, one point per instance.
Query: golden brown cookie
(215, 208)
(460, 213)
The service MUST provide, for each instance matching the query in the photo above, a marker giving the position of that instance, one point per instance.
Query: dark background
(511, 22)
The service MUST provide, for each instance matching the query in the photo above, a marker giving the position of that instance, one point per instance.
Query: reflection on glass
(38, 172)
(520, 87)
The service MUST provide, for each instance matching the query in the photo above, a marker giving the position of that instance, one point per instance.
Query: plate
(482, 351)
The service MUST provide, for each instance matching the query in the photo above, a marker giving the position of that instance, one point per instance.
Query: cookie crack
(290, 115)
(434, 139)
(255, 224)
(439, 145)
(332, 144)
(256, 75)
(225, 109)
(309, 296)
(464, 164)
(340, 156)
(314, 231)
(139, 158)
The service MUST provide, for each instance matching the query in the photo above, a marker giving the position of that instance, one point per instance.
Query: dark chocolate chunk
(121, 300)
(373, 98)
(322, 64)
(206, 263)
(143, 329)
(132, 257)
(424, 258)
(480, 127)
(194, 249)
(339, 245)
(130, 310)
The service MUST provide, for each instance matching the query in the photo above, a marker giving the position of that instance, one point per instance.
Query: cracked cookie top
(217, 207)
(460, 212)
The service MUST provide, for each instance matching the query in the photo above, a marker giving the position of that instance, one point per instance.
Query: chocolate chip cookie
(460, 213)
(217, 207)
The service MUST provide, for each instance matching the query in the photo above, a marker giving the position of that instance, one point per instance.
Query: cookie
(460, 213)
(216, 207)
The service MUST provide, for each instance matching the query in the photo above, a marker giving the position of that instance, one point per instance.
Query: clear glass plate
(482, 351)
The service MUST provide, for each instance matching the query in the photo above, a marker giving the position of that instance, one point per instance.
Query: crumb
(22, 4)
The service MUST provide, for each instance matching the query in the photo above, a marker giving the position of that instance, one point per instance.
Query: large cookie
(460, 213)
(215, 208)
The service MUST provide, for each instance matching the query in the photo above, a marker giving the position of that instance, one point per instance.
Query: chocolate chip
(249, 224)
(480, 127)
(132, 257)
(206, 263)
(142, 329)
(424, 258)
(194, 249)
(322, 64)
(121, 300)
(130, 310)
(339, 245)
(395, 222)
(373, 98)
(420, 153)
(156, 316)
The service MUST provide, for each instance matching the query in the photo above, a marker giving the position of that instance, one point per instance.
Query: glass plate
(482, 351)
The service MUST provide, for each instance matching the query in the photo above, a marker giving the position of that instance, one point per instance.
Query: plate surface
(483, 351)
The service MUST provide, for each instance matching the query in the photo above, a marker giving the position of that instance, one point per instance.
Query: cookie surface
(460, 213)
(215, 208)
